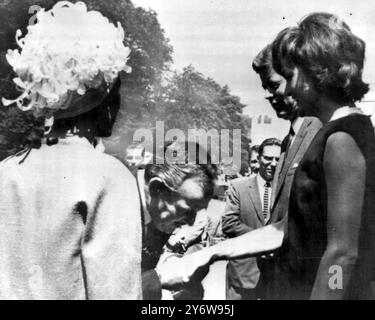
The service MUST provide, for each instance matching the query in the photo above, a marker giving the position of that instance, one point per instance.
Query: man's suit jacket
(287, 166)
(275, 281)
(243, 213)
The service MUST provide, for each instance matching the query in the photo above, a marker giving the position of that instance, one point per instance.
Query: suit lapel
(275, 181)
(291, 154)
(255, 198)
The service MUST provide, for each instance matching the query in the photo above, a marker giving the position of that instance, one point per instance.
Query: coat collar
(291, 154)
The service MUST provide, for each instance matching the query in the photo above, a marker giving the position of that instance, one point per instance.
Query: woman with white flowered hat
(70, 223)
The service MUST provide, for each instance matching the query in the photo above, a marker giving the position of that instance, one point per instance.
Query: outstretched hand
(176, 271)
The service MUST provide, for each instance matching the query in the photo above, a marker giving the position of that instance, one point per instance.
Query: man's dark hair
(173, 173)
(269, 142)
(254, 148)
(263, 61)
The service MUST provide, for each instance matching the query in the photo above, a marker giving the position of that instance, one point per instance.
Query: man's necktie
(266, 202)
(290, 139)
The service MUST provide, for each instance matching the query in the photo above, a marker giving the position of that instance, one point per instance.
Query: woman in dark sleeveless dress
(329, 249)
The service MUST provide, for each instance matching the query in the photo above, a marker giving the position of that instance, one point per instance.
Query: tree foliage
(192, 101)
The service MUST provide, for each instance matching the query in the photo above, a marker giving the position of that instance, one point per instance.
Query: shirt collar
(261, 181)
(296, 124)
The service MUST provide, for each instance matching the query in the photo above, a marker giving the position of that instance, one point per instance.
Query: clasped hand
(176, 271)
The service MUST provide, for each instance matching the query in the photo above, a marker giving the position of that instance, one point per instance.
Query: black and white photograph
(206, 150)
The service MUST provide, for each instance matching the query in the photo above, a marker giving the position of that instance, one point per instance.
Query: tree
(192, 101)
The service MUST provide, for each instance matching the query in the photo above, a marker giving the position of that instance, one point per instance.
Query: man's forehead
(270, 151)
(254, 153)
(191, 190)
(191, 195)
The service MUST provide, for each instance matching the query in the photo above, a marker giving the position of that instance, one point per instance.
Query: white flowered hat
(68, 54)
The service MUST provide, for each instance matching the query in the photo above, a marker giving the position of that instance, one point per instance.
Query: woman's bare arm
(345, 174)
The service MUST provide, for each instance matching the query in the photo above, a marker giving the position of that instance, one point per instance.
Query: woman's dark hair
(103, 116)
(324, 47)
(263, 61)
(174, 173)
(283, 50)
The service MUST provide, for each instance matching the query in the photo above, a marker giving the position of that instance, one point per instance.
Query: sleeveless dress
(306, 241)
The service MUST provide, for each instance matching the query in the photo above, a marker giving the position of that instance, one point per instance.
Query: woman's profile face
(300, 87)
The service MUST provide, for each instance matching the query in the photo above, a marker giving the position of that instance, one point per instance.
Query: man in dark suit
(248, 208)
(301, 133)
(173, 195)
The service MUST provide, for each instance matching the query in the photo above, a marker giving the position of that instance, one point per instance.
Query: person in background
(221, 185)
(134, 158)
(245, 170)
(294, 146)
(248, 208)
(254, 161)
(70, 220)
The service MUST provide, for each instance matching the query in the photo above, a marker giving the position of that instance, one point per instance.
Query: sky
(220, 38)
